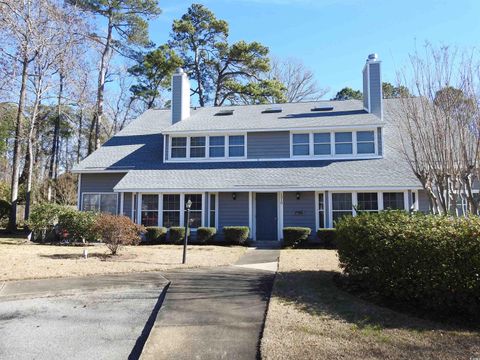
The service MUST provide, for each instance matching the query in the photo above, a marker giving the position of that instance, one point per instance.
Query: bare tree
(299, 81)
(440, 127)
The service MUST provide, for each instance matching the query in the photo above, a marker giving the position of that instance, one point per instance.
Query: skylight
(322, 108)
(273, 109)
(224, 112)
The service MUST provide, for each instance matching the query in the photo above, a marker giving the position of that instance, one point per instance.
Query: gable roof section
(348, 113)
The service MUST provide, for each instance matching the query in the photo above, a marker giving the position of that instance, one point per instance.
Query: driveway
(101, 317)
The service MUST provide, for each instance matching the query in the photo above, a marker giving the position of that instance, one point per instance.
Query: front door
(266, 216)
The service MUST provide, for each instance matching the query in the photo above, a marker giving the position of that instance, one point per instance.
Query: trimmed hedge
(236, 234)
(156, 234)
(206, 234)
(327, 238)
(426, 262)
(77, 225)
(176, 234)
(295, 236)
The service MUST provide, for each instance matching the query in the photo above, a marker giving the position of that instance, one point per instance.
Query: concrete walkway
(215, 313)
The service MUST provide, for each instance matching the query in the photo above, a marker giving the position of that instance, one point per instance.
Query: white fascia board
(270, 189)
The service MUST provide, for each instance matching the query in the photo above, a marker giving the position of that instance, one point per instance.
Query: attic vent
(322, 108)
(224, 112)
(273, 109)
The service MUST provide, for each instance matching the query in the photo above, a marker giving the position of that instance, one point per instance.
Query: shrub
(78, 225)
(156, 235)
(44, 217)
(427, 262)
(236, 234)
(117, 231)
(327, 238)
(176, 234)
(206, 234)
(295, 236)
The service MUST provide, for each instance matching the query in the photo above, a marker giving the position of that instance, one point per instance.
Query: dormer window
(321, 144)
(343, 143)
(236, 146)
(301, 144)
(179, 147)
(365, 142)
(217, 146)
(197, 147)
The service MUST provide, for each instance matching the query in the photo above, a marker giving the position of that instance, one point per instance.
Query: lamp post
(188, 205)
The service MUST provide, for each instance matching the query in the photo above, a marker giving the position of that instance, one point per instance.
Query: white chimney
(180, 96)
(372, 86)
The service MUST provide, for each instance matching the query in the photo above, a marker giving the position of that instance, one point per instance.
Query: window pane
(393, 201)
(212, 201)
(301, 150)
(321, 211)
(212, 219)
(217, 140)
(197, 141)
(171, 218)
(179, 152)
(321, 204)
(343, 137)
(235, 151)
(179, 141)
(171, 202)
(337, 215)
(196, 200)
(108, 203)
(365, 136)
(342, 201)
(150, 218)
(343, 149)
(236, 140)
(367, 201)
(365, 148)
(321, 138)
(195, 219)
(91, 202)
(197, 152)
(217, 151)
(321, 149)
(300, 138)
(150, 202)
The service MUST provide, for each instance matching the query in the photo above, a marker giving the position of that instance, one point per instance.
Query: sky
(334, 37)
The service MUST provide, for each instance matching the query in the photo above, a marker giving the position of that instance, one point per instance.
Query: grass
(309, 317)
(20, 259)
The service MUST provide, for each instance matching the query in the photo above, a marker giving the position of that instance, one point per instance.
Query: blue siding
(268, 145)
(299, 212)
(100, 183)
(232, 212)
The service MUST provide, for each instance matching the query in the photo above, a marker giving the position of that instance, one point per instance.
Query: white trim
(380, 200)
(274, 189)
(254, 216)
(279, 215)
(405, 201)
(122, 194)
(317, 210)
(102, 171)
(250, 212)
(160, 210)
(246, 130)
(295, 158)
(79, 192)
(133, 207)
(139, 207)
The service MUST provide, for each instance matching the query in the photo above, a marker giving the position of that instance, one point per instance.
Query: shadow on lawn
(316, 293)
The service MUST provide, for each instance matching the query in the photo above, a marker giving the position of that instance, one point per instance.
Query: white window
(343, 143)
(197, 147)
(367, 202)
(393, 200)
(236, 146)
(321, 210)
(179, 147)
(342, 205)
(212, 210)
(217, 146)
(365, 142)
(321, 144)
(301, 144)
(100, 202)
(195, 220)
(171, 210)
(149, 210)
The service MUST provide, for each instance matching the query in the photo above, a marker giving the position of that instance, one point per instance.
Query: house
(262, 166)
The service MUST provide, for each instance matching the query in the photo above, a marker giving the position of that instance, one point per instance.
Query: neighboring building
(262, 166)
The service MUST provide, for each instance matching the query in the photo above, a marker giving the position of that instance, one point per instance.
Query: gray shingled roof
(138, 149)
(293, 115)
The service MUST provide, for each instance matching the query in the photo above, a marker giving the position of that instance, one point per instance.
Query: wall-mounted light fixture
(234, 196)
(298, 196)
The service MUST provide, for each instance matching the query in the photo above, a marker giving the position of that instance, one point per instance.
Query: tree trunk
(56, 135)
(79, 143)
(12, 223)
(101, 86)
